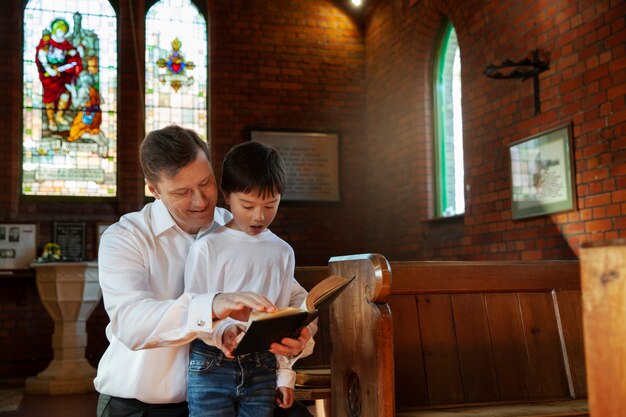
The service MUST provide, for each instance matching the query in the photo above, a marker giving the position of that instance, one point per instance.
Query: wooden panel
(571, 318)
(547, 363)
(361, 328)
(474, 343)
(466, 277)
(441, 357)
(509, 347)
(308, 276)
(409, 369)
(320, 358)
(604, 317)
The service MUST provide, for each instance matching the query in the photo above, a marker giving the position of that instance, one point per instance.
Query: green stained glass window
(449, 127)
(70, 99)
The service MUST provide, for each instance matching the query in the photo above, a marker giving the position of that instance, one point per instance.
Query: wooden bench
(457, 338)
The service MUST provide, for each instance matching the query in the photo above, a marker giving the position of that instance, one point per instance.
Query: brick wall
(294, 65)
(585, 86)
(278, 65)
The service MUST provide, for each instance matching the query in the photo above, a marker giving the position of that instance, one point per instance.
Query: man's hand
(291, 347)
(284, 397)
(238, 305)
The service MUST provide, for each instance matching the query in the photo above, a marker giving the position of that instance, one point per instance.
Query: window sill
(449, 219)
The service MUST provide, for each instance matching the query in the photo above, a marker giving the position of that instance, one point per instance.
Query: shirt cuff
(285, 378)
(308, 349)
(200, 317)
(218, 331)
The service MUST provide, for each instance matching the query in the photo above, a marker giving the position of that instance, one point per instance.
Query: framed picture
(18, 245)
(542, 174)
(311, 161)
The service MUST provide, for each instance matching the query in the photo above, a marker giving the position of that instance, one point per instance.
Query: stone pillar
(70, 292)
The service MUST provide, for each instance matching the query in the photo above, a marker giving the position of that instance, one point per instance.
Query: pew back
(463, 333)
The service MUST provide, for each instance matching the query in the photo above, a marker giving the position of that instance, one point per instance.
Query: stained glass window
(70, 99)
(176, 66)
(449, 127)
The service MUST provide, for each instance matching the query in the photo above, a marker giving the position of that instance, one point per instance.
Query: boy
(243, 255)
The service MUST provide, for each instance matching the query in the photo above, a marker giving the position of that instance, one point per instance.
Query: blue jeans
(244, 386)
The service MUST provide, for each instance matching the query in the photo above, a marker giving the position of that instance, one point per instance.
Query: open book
(266, 328)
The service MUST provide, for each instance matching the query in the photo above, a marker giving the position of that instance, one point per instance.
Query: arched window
(70, 99)
(176, 66)
(448, 127)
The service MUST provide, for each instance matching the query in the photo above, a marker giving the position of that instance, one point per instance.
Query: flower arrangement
(51, 253)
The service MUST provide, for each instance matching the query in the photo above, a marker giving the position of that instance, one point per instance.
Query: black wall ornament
(524, 69)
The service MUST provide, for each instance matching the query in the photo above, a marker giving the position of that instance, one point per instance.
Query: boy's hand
(230, 338)
(284, 397)
(238, 305)
(291, 347)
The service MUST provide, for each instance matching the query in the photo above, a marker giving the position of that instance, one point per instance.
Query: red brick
(598, 225)
(618, 196)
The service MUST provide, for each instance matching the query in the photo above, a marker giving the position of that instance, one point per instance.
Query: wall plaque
(71, 238)
(311, 163)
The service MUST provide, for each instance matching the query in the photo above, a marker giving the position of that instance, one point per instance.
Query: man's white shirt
(141, 263)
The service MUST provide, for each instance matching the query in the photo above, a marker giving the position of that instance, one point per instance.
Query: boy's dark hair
(252, 166)
(168, 150)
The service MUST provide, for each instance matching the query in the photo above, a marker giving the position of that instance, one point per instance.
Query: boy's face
(252, 213)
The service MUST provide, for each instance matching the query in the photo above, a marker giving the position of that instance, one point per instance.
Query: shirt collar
(162, 221)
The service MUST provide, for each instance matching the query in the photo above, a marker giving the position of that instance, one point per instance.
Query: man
(141, 264)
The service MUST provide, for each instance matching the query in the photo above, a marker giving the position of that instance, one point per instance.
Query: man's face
(190, 196)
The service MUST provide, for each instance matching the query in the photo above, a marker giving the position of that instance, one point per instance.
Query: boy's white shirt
(216, 264)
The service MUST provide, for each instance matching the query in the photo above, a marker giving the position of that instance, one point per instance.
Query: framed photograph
(18, 245)
(311, 160)
(542, 174)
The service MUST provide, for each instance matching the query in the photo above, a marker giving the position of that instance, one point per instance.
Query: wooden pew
(452, 338)
(603, 274)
